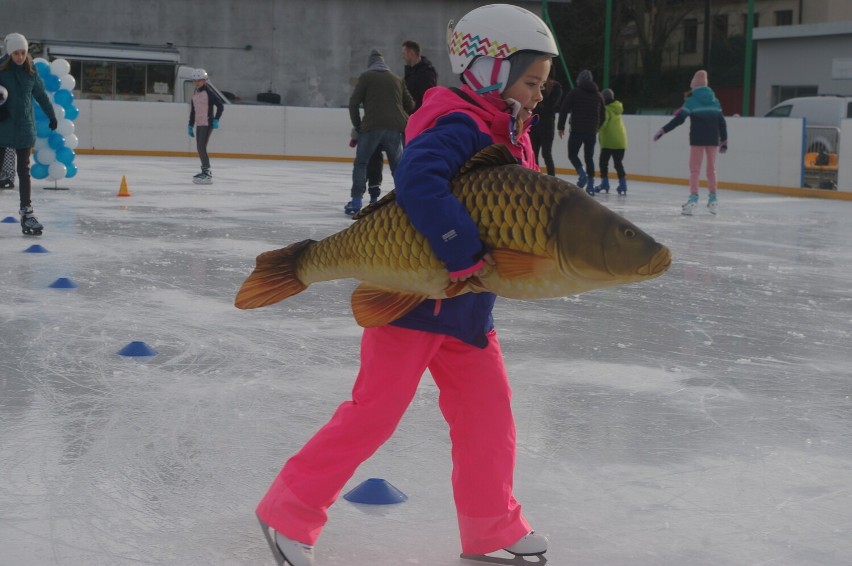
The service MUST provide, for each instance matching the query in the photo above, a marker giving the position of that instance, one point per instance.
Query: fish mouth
(659, 264)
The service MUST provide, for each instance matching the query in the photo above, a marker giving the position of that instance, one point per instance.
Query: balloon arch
(54, 156)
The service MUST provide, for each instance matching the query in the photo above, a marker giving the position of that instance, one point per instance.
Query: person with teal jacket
(17, 123)
(708, 135)
(613, 140)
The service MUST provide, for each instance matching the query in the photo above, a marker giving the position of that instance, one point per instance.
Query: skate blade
(516, 560)
(280, 559)
(202, 182)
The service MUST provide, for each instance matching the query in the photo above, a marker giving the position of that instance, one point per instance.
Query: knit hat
(14, 42)
(608, 95)
(699, 79)
(585, 76)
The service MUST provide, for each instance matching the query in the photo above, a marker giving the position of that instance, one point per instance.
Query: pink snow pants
(696, 156)
(475, 401)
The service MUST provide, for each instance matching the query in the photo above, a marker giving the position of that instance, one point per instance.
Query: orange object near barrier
(123, 191)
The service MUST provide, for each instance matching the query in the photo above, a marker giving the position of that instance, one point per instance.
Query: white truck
(123, 71)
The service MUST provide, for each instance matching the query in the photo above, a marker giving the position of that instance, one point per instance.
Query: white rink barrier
(763, 153)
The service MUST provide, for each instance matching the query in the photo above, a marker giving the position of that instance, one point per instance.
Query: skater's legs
(710, 152)
(392, 144)
(575, 141)
(547, 153)
(374, 169)
(24, 184)
(297, 503)
(618, 162)
(368, 144)
(475, 399)
(603, 162)
(589, 153)
(696, 156)
(202, 137)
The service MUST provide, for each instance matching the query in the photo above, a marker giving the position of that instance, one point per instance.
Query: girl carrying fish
(454, 338)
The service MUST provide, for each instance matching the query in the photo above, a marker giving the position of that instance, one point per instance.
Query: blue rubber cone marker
(137, 349)
(9, 220)
(375, 491)
(63, 283)
(36, 249)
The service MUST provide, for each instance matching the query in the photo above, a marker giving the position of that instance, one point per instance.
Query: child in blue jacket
(454, 338)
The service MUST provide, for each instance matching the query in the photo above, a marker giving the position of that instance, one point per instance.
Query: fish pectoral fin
(455, 289)
(273, 279)
(512, 264)
(374, 306)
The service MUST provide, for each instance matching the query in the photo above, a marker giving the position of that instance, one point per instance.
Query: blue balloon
(38, 171)
(63, 97)
(71, 170)
(43, 129)
(39, 113)
(65, 155)
(71, 111)
(51, 83)
(56, 141)
(43, 69)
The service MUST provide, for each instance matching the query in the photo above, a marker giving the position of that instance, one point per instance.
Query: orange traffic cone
(123, 191)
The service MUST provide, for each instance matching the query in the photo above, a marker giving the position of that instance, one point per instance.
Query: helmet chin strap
(516, 125)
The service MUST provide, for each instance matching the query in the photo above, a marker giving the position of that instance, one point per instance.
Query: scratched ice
(702, 418)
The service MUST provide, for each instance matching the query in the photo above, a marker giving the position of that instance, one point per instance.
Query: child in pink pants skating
(454, 338)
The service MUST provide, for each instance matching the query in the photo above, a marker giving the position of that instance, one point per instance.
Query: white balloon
(60, 67)
(45, 155)
(65, 127)
(56, 171)
(41, 143)
(59, 111)
(71, 141)
(68, 82)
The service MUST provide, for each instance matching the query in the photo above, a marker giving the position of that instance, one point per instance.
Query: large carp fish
(547, 237)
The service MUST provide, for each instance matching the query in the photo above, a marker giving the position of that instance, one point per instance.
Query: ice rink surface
(703, 418)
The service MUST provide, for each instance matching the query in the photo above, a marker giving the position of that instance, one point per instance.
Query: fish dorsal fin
(492, 156)
(383, 202)
(374, 306)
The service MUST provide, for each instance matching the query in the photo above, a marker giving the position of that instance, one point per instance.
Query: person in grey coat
(387, 104)
(17, 122)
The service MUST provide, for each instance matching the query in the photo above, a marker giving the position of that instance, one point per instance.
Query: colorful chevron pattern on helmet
(471, 46)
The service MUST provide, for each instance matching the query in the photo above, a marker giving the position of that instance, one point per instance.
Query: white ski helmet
(496, 30)
(199, 75)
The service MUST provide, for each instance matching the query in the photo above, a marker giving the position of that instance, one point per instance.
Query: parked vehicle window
(780, 112)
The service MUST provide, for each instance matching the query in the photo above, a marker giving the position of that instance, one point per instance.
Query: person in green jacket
(613, 140)
(17, 123)
(387, 104)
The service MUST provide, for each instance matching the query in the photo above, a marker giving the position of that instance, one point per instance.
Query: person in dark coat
(543, 131)
(420, 74)
(17, 121)
(586, 106)
(7, 165)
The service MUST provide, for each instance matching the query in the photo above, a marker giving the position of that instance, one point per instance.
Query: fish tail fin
(373, 306)
(274, 277)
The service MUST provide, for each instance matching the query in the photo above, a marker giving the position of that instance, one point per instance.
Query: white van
(822, 116)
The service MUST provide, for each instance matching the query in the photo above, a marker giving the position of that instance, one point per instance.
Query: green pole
(748, 57)
(546, 17)
(607, 42)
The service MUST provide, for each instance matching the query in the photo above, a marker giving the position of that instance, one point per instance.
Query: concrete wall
(309, 51)
(764, 152)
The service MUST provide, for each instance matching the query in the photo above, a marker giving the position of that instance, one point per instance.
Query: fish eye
(629, 232)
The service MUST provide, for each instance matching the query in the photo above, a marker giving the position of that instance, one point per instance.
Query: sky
(699, 418)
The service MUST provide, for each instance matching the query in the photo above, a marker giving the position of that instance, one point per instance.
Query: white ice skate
(203, 178)
(712, 203)
(531, 546)
(687, 208)
(286, 551)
